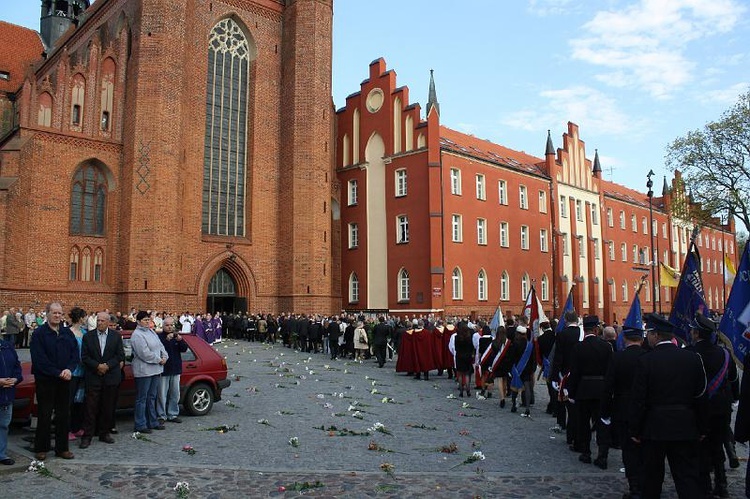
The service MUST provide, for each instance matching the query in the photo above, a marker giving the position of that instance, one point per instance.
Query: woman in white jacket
(361, 345)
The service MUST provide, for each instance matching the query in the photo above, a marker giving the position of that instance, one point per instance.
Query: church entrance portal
(222, 295)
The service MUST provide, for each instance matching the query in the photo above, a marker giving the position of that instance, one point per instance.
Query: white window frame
(402, 229)
(563, 207)
(502, 192)
(481, 231)
(404, 290)
(353, 193)
(523, 197)
(542, 202)
(544, 288)
(401, 185)
(594, 214)
(482, 285)
(524, 237)
(353, 288)
(457, 284)
(457, 231)
(622, 219)
(504, 235)
(543, 241)
(455, 181)
(353, 235)
(505, 286)
(579, 210)
(481, 187)
(610, 218)
(611, 251)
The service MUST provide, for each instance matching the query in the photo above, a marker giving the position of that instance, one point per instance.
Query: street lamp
(650, 194)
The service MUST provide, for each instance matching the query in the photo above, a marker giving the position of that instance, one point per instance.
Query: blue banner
(690, 297)
(568, 307)
(634, 320)
(735, 325)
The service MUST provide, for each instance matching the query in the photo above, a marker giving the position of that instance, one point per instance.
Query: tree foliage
(715, 163)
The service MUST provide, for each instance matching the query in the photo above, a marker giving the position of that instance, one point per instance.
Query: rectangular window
(353, 236)
(581, 246)
(579, 210)
(565, 248)
(401, 182)
(543, 244)
(455, 181)
(105, 121)
(610, 218)
(97, 272)
(633, 223)
(504, 234)
(76, 117)
(482, 231)
(524, 237)
(457, 229)
(611, 251)
(353, 193)
(542, 202)
(644, 224)
(624, 252)
(664, 231)
(594, 214)
(596, 249)
(73, 271)
(622, 220)
(523, 198)
(481, 190)
(635, 253)
(402, 229)
(563, 207)
(502, 189)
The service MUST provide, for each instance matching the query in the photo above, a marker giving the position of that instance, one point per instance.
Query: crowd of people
(638, 390)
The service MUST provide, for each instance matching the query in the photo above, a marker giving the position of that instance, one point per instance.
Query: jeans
(6, 411)
(168, 403)
(146, 389)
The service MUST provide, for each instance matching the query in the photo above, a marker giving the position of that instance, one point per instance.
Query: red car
(204, 376)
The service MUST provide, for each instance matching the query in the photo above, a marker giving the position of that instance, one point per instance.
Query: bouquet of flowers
(182, 489)
(188, 449)
(380, 427)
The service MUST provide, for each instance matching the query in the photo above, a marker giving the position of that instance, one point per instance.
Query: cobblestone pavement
(331, 407)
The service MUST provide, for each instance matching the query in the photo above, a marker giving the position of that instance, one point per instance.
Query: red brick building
(171, 155)
(434, 220)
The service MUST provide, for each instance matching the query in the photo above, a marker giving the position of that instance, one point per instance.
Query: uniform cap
(705, 326)
(658, 323)
(590, 321)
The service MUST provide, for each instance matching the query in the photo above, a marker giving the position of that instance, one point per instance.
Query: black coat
(588, 365)
(564, 343)
(91, 357)
(618, 383)
(668, 400)
(380, 334)
(742, 422)
(713, 361)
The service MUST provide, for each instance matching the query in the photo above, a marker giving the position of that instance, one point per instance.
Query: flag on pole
(690, 297)
(735, 325)
(668, 276)
(567, 308)
(729, 270)
(533, 312)
(497, 321)
(634, 318)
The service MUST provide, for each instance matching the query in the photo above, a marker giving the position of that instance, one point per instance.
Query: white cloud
(645, 44)
(724, 96)
(547, 8)
(591, 109)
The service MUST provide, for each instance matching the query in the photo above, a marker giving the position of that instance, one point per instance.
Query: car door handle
(191, 366)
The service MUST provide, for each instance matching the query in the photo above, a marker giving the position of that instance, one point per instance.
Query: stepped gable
(27, 49)
(485, 150)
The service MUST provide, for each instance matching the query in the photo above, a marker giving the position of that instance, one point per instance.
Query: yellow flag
(729, 270)
(668, 276)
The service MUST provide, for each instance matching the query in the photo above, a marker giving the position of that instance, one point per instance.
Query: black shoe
(585, 458)
(734, 463)
(514, 408)
(174, 420)
(85, 442)
(601, 462)
(502, 403)
(461, 394)
(114, 431)
(107, 439)
(145, 430)
(160, 427)
(8, 461)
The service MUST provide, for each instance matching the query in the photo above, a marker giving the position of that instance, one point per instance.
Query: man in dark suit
(588, 365)
(564, 343)
(668, 412)
(380, 335)
(102, 353)
(618, 383)
(721, 372)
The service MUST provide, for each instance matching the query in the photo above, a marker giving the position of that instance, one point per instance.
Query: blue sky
(633, 74)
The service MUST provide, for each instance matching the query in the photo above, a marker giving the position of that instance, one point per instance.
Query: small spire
(597, 166)
(550, 148)
(665, 189)
(432, 97)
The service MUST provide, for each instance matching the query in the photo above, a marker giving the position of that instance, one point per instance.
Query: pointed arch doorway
(222, 294)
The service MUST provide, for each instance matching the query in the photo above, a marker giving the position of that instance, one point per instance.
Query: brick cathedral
(188, 156)
(169, 154)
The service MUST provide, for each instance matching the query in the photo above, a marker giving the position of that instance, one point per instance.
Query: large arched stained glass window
(88, 201)
(225, 149)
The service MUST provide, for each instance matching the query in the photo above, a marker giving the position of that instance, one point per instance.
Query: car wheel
(199, 399)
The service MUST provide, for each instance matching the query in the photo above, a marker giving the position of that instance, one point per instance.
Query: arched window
(505, 286)
(482, 286)
(525, 286)
(355, 137)
(78, 93)
(457, 284)
(225, 147)
(98, 262)
(345, 151)
(409, 134)
(86, 264)
(403, 285)
(353, 288)
(545, 288)
(624, 291)
(88, 201)
(108, 92)
(73, 265)
(221, 284)
(397, 126)
(45, 110)
(613, 287)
